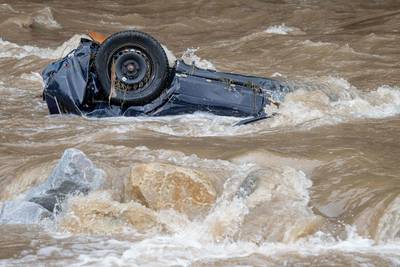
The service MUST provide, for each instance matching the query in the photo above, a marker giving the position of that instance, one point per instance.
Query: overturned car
(128, 74)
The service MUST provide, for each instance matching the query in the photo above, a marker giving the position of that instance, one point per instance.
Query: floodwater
(329, 162)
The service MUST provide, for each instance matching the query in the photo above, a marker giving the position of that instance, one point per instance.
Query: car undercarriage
(128, 74)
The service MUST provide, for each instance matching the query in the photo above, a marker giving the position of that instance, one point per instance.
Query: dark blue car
(127, 74)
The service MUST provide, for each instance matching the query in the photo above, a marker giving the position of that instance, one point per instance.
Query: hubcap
(132, 69)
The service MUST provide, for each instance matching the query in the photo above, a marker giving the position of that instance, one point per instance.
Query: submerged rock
(98, 213)
(74, 174)
(52, 197)
(23, 212)
(248, 186)
(164, 186)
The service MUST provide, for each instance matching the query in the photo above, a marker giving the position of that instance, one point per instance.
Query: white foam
(7, 8)
(389, 223)
(11, 91)
(12, 50)
(48, 251)
(311, 43)
(45, 18)
(279, 29)
(33, 76)
(171, 57)
(192, 241)
(329, 101)
(189, 57)
(336, 101)
(181, 250)
(277, 74)
(197, 124)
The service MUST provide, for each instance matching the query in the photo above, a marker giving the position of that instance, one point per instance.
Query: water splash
(13, 50)
(280, 29)
(331, 100)
(322, 101)
(171, 57)
(389, 223)
(189, 57)
(282, 192)
(45, 18)
(7, 8)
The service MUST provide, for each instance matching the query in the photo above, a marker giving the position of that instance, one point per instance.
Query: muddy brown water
(330, 158)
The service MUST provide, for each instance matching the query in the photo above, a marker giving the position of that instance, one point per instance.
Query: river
(330, 192)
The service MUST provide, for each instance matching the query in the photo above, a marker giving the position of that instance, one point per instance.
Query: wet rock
(248, 186)
(23, 212)
(98, 213)
(74, 174)
(52, 197)
(75, 167)
(163, 186)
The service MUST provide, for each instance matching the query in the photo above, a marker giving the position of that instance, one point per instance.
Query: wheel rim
(133, 70)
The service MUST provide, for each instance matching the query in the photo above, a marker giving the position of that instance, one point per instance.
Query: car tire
(140, 68)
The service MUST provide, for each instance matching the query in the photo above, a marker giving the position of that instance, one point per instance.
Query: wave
(7, 8)
(42, 18)
(189, 57)
(331, 100)
(271, 219)
(318, 102)
(245, 190)
(45, 18)
(282, 29)
(13, 50)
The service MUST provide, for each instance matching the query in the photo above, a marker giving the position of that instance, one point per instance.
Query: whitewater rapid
(316, 184)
